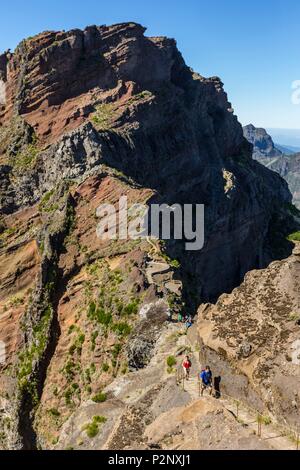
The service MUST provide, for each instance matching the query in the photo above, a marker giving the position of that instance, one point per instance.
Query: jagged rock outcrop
(263, 145)
(86, 117)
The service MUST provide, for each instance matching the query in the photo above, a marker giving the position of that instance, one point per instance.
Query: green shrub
(294, 237)
(99, 314)
(105, 367)
(68, 396)
(92, 429)
(88, 376)
(175, 264)
(81, 338)
(100, 397)
(54, 412)
(121, 328)
(294, 316)
(45, 200)
(103, 317)
(94, 336)
(171, 361)
(103, 116)
(266, 420)
(72, 349)
(69, 369)
(26, 158)
(116, 350)
(131, 308)
(91, 310)
(100, 419)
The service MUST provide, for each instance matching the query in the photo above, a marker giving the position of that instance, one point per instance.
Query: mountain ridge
(88, 117)
(265, 152)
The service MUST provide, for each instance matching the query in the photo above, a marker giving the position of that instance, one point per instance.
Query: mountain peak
(263, 145)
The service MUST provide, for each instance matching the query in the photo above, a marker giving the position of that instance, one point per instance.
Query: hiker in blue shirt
(188, 322)
(206, 380)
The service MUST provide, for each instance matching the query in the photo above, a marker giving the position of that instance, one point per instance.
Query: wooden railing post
(258, 425)
(237, 408)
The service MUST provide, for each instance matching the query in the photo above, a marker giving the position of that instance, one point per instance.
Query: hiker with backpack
(188, 322)
(186, 365)
(206, 380)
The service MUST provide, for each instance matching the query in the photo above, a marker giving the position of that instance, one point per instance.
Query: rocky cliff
(251, 339)
(85, 117)
(289, 168)
(264, 150)
(263, 145)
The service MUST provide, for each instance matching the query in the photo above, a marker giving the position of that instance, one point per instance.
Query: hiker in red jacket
(186, 367)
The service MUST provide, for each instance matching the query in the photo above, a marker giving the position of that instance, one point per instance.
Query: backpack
(205, 376)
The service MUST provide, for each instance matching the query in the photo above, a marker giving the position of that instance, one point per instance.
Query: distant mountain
(287, 164)
(287, 150)
(263, 145)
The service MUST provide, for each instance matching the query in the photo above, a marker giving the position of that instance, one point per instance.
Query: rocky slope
(251, 339)
(149, 410)
(85, 117)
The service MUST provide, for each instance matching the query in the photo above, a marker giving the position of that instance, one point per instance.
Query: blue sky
(253, 46)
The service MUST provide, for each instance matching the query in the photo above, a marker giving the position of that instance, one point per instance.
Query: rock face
(85, 118)
(263, 145)
(145, 113)
(289, 168)
(264, 150)
(251, 339)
